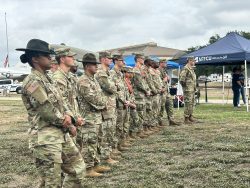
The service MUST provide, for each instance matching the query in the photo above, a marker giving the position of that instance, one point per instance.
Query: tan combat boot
(116, 152)
(111, 161)
(141, 135)
(130, 138)
(125, 143)
(101, 168)
(120, 148)
(173, 123)
(116, 157)
(187, 122)
(91, 173)
(191, 119)
(133, 135)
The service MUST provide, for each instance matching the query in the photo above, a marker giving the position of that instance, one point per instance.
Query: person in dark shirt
(236, 86)
(242, 90)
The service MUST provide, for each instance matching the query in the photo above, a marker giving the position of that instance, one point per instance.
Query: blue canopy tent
(173, 65)
(231, 49)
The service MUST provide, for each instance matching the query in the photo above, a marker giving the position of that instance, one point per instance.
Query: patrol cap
(105, 54)
(127, 69)
(118, 57)
(64, 52)
(139, 55)
(162, 61)
(89, 58)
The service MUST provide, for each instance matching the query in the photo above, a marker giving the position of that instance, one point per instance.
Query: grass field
(215, 153)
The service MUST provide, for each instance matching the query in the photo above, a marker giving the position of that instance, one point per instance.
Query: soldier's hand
(80, 121)
(132, 105)
(148, 93)
(126, 103)
(72, 130)
(66, 121)
(165, 79)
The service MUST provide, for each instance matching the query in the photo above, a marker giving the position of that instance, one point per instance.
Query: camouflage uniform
(188, 81)
(51, 146)
(151, 101)
(91, 102)
(158, 102)
(167, 102)
(108, 128)
(66, 83)
(140, 90)
(122, 120)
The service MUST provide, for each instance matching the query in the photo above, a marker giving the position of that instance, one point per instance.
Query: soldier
(188, 83)
(141, 91)
(108, 141)
(122, 103)
(160, 87)
(65, 81)
(134, 118)
(167, 103)
(152, 100)
(50, 143)
(91, 101)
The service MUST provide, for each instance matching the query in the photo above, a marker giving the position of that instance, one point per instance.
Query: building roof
(148, 49)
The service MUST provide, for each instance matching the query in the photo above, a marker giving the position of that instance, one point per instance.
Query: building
(148, 49)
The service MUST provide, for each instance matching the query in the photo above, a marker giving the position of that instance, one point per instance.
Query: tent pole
(246, 85)
(178, 100)
(223, 84)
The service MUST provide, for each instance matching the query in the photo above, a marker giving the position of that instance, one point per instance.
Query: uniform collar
(67, 75)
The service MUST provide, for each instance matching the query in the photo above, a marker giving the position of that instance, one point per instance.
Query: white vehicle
(11, 86)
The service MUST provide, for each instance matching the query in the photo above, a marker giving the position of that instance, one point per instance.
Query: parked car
(11, 86)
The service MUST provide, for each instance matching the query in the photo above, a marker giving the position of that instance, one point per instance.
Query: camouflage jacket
(91, 99)
(122, 92)
(139, 83)
(157, 80)
(188, 79)
(109, 89)
(46, 109)
(66, 84)
(149, 76)
(163, 74)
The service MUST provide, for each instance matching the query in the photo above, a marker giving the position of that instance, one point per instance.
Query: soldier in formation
(81, 125)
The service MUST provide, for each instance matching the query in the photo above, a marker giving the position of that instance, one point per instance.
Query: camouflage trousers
(189, 103)
(169, 107)
(122, 124)
(107, 138)
(157, 108)
(141, 112)
(162, 111)
(53, 159)
(87, 142)
(151, 111)
(134, 121)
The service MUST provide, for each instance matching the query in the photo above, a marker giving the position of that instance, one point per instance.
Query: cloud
(104, 24)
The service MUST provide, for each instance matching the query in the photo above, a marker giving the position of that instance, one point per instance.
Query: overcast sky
(103, 24)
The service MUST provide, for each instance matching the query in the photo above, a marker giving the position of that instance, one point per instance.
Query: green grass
(215, 153)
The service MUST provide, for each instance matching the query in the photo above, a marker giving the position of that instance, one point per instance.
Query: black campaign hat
(36, 45)
(89, 58)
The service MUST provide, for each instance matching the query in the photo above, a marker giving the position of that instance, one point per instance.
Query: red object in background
(6, 62)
